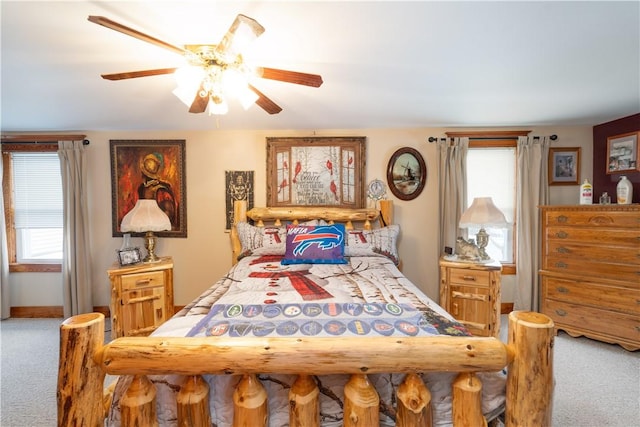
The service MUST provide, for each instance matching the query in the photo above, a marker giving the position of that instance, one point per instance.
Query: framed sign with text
(316, 171)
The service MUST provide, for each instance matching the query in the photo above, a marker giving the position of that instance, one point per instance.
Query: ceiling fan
(214, 66)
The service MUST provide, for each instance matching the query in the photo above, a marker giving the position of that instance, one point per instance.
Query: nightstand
(141, 297)
(471, 293)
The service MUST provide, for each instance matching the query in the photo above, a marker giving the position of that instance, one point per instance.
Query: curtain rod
(434, 139)
(84, 142)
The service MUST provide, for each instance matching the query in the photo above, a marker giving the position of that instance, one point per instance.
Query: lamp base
(150, 244)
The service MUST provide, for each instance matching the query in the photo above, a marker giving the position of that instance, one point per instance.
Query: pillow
(321, 244)
(381, 241)
(268, 240)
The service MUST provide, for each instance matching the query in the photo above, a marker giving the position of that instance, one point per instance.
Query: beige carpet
(597, 384)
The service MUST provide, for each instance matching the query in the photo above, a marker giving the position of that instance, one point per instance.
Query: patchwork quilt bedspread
(259, 296)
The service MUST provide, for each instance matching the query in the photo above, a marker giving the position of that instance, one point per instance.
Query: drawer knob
(563, 250)
(562, 235)
(561, 265)
(563, 218)
(143, 282)
(562, 290)
(561, 312)
(470, 278)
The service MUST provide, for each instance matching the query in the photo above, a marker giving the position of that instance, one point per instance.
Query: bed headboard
(369, 218)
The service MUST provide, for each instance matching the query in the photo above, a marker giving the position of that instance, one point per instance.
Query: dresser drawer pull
(562, 235)
(563, 218)
(561, 265)
(143, 282)
(469, 278)
(560, 312)
(563, 250)
(562, 290)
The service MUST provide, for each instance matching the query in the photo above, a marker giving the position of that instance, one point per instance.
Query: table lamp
(482, 213)
(146, 217)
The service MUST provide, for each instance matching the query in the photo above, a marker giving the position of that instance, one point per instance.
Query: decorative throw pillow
(268, 240)
(381, 241)
(322, 244)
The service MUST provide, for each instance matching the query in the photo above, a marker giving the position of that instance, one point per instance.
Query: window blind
(37, 183)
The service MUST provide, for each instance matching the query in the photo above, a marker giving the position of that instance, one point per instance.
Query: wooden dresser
(471, 293)
(590, 271)
(141, 297)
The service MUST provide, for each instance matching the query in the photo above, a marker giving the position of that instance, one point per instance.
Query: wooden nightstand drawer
(142, 280)
(469, 277)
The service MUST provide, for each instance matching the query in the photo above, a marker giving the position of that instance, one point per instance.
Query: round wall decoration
(406, 173)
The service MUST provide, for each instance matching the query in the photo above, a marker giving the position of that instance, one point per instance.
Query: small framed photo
(622, 153)
(564, 166)
(129, 256)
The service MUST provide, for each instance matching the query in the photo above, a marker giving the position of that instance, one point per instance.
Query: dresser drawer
(592, 269)
(586, 252)
(465, 276)
(142, 280)
(598, 218)
(611, 237)
(615, 298)
(586, 319)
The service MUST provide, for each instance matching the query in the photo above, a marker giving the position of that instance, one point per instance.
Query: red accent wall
(601, 181)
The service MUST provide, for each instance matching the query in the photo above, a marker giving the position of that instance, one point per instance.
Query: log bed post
(80, 378)
(530, 373)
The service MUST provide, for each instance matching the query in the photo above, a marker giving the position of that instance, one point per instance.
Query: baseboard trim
(48, 311)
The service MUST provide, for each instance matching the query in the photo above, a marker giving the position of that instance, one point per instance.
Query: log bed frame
(85, 360)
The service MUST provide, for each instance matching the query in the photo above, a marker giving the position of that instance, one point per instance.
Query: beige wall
(205, 255)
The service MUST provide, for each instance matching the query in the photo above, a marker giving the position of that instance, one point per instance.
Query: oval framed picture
(406, 173)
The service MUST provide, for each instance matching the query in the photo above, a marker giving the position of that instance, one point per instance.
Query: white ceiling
(385, 64)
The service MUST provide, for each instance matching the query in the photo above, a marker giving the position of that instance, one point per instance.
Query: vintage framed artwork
(149, 169)
(129, 256)
(406, 173)
(622, 153)
(564, 166)
(316, 171)
(238, 186)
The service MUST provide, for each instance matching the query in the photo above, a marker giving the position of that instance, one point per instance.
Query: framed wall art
(564, 166)
(149, 169)
(622, 153)
(406, 173)
(238, 186)
(316, 171)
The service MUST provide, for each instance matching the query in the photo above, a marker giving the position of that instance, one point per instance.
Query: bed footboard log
(467, 401)
(193, 403)
(80, 378)
(250, 406)
(138, 405)
(414, 403)
(304, 403)
(530, 374)
(361, 402)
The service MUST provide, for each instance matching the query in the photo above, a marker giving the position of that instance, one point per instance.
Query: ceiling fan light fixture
(217, 106)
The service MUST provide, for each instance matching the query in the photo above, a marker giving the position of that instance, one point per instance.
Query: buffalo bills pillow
(320, 244)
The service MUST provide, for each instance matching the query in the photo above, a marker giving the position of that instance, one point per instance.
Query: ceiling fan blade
(136, 74)
(265, 103)
(296, 77)
(106, 22)
(242, 31)
(199, 104)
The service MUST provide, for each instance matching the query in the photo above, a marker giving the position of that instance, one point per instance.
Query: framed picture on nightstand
(129, 256)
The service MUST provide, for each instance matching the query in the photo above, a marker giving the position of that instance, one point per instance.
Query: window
(32, 193)
(37, 204)
(491, 173)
